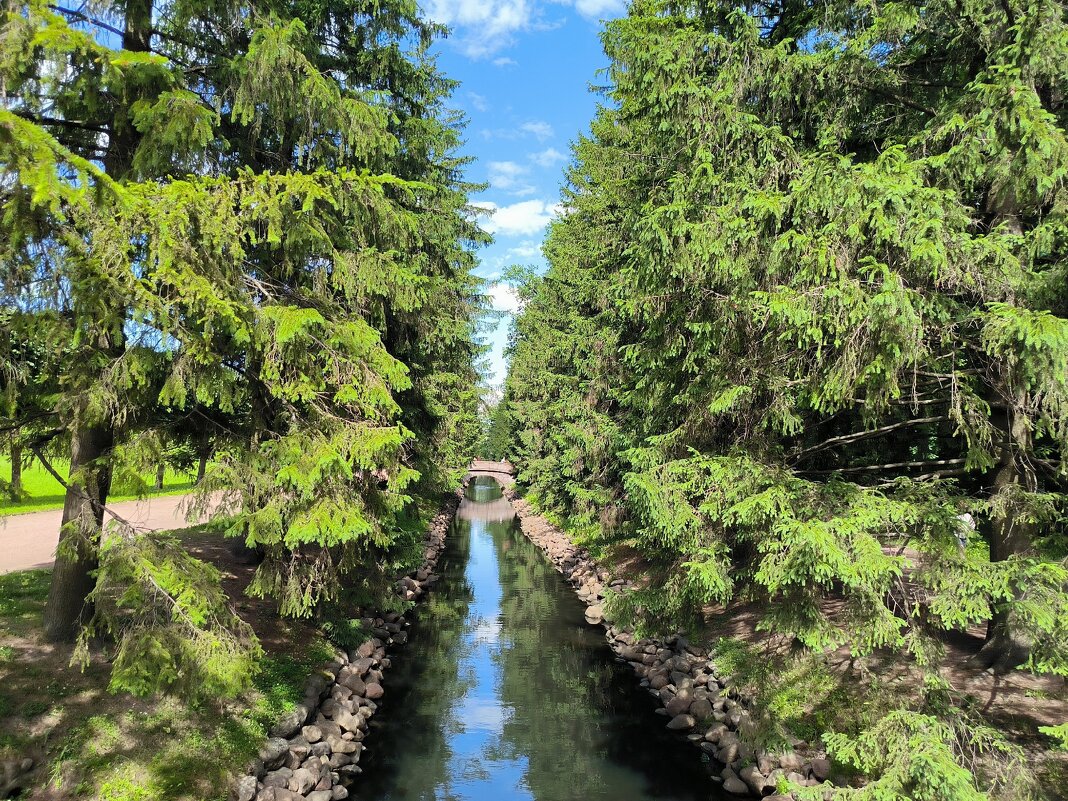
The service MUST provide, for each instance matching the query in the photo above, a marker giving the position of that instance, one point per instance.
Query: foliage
(260, 230)
(802, 340)
(172, 621)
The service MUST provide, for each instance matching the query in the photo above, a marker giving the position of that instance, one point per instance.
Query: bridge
(502, 472)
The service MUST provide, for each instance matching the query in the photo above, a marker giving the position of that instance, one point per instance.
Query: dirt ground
(46, 703)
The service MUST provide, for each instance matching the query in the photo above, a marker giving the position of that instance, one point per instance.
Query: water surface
(505, 693)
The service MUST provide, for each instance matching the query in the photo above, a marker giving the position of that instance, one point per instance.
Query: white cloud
(504, 61)
(519, 219)
(539, 129)
(528, 249)
(504, 298)
(483, 26)
(548, 157)
(508, 177)
(478, 101)
(599, 9)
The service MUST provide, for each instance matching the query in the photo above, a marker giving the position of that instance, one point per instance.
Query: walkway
(29, 540)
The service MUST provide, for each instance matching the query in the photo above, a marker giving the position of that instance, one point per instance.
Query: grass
(41, 491)
(90, 743)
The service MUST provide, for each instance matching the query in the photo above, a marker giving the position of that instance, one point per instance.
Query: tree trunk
(15, 489)
(1004, 648)
(92, 441)
(205, 451)
(161, 474)
(79, 540)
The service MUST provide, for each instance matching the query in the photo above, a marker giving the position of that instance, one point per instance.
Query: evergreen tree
(809, 310)
(311, 268)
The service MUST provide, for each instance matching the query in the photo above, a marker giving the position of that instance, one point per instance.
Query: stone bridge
(501, 472)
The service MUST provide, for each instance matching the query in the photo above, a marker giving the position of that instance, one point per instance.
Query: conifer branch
(846, 439)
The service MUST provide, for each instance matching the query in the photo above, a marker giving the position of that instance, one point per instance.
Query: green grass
(41, 491)
(113, 747)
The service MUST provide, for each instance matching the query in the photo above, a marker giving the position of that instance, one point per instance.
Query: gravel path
(29, 540)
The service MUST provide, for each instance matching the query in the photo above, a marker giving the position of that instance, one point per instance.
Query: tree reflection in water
(505, 692)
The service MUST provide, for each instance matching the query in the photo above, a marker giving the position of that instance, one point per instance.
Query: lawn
(88, 742)
(42, 491)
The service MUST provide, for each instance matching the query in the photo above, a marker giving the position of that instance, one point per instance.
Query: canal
(504, 692)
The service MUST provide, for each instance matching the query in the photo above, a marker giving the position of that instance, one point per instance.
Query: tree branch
(846, 439)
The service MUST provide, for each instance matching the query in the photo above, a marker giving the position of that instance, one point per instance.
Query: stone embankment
(700, 703)
(314, 752)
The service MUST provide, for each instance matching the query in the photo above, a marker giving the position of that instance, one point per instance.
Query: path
(29, 540)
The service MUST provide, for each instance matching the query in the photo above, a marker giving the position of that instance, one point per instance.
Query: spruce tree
(806, 314)
(253, 209)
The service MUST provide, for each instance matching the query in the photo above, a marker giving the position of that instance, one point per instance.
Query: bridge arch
(501, 472)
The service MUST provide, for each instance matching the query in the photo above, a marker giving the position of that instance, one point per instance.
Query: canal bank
(699, 703)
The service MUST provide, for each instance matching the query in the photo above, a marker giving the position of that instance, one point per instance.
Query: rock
(732, 784)
(791, 761)
(374, 691)
(274, 752)
(355, 684)
(246, 788)
(338, 793)
(320, 795)
(820, 769)
(767, 763)
(312, 734)
(678, 705)
(727, 753)
(753, 778)
(303, 780)
(595, 614)
(701, 709)
(278, 778)
(348, 722)
(361, 666)
(680, 722)
(716, 733)
(339, 746)
(366, 649)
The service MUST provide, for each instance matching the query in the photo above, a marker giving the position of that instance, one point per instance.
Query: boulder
(820, 769)
(312, 733)
(273, 752)
(732, 784)
(701, 709)
(681, 722)
(791, 761)
(303, 780)
(374, 691)
(246, 788)
(290, 723)
(753, 778)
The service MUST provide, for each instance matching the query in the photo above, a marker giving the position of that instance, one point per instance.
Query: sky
(525, 69)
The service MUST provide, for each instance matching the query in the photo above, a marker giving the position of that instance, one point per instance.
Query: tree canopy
(251, 215)
(803, 340)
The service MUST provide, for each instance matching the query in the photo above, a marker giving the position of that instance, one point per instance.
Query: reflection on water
(505, 692)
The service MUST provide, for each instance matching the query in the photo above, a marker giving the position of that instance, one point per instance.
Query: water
(505, 693)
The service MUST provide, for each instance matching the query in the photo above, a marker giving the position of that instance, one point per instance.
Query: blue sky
(525, 68)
